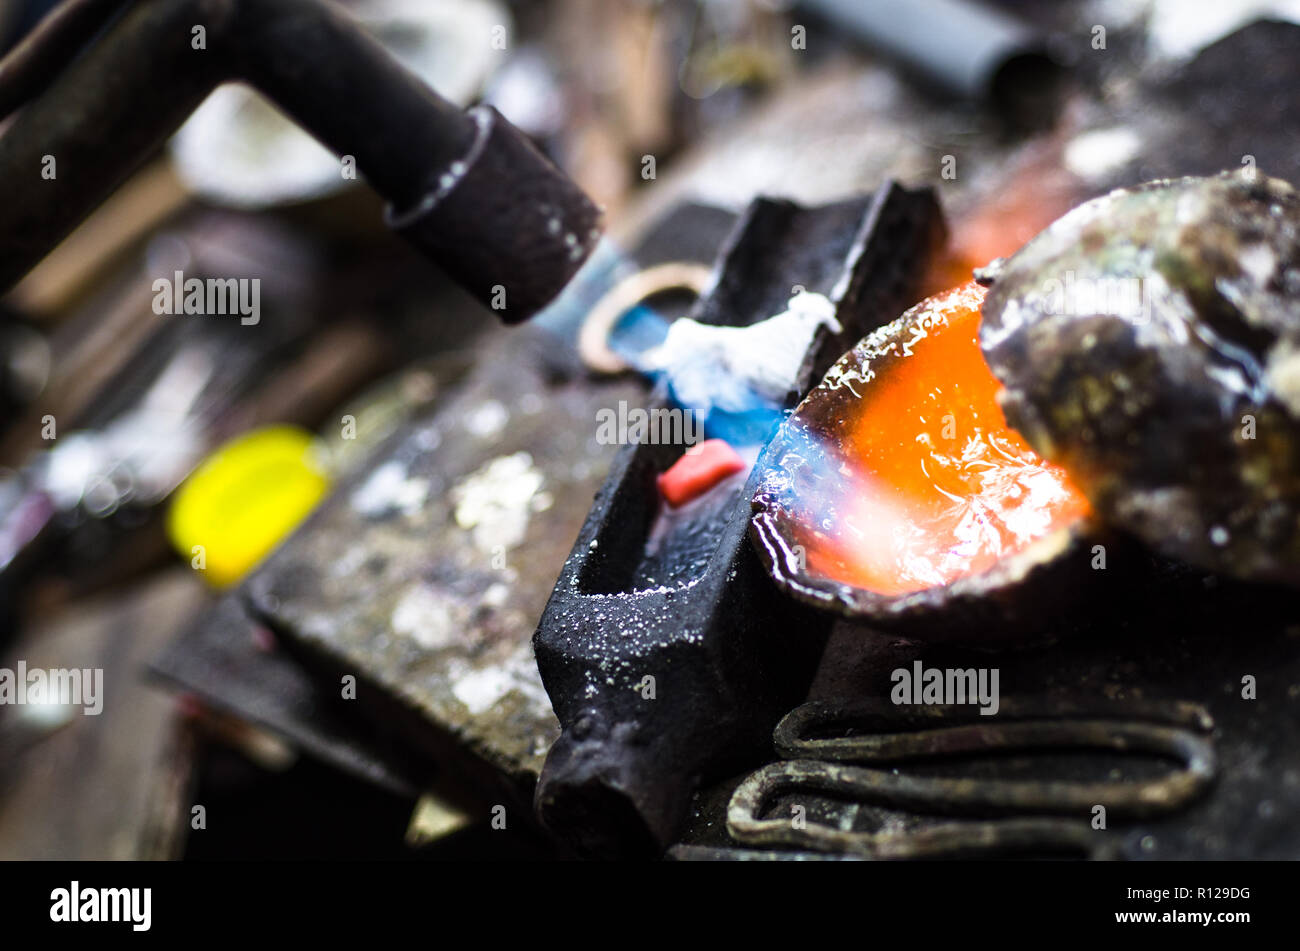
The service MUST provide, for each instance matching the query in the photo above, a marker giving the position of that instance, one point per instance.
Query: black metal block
(669, 669)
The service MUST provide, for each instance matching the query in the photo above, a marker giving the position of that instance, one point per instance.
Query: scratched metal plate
(424, 576)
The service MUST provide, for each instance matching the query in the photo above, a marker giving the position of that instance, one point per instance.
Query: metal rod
(98, 121)
(518, 223)
(340, 85)
(961, 47)
(30, 66)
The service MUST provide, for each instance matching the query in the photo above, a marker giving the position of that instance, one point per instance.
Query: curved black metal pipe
(109, 110)
(30, 66)
(339, 84)
(67, 150)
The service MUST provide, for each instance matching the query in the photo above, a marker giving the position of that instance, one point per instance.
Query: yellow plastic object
(245, 499)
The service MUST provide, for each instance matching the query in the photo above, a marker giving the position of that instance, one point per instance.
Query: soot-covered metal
(669, 669)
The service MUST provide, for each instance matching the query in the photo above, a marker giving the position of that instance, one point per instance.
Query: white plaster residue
(350, 561)
(494, 503)
(425, 618)
(483, 688)
(480, 690)
(390, 488)
(727, 367)
(487, 419)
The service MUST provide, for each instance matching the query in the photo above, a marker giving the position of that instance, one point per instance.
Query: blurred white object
(1099, 152)
(526, 92)
(1179, 29)
(240, 151)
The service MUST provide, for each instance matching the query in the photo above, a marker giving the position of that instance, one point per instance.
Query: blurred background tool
(239, 151)
(466, 188)
(961, 48)
(245, 498)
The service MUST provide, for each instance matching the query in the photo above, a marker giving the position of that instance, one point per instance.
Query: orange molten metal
(943, 488)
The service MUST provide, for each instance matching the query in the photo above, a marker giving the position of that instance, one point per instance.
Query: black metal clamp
(467, 188)
(727, 651)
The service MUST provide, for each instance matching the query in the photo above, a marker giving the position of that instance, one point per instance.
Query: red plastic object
(698, 470)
